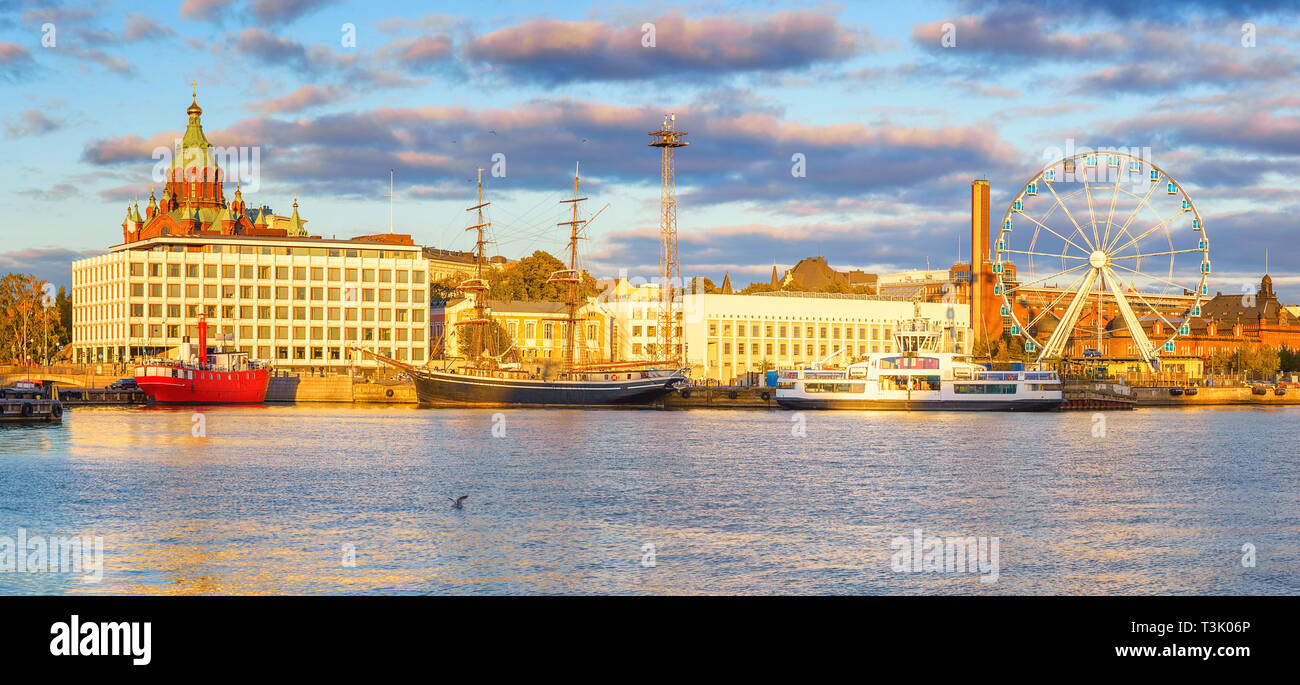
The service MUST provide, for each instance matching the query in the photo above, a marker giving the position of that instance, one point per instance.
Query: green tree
(527, 278)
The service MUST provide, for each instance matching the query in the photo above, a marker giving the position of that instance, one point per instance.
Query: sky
(848, 130)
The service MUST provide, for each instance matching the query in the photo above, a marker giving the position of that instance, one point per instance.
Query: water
(731, 500)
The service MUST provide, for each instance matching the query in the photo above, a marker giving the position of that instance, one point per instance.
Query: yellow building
(537, 328)
(728, 336)
(297, 302)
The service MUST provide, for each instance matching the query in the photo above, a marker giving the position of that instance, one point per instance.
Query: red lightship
(223, 378)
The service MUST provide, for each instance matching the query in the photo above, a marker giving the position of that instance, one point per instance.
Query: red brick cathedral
(194, 202)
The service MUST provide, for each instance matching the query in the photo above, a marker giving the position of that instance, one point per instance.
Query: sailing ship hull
(449, 389)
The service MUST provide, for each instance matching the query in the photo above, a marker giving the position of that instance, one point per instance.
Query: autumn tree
(496, 341)
(526, 280)
(30, 331)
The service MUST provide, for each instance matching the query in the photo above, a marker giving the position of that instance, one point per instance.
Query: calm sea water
(271, 498)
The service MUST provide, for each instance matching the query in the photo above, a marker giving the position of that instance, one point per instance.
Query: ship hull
(449, 389)
(207, 387)
(921, 405)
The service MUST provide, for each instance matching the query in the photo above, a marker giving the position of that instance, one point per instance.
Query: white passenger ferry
(918, 377)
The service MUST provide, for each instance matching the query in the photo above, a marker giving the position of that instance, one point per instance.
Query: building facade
(727, 337)
(273, 292)
(536, 329)
(296, 302)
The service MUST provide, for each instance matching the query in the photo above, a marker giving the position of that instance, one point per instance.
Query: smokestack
(979, 254)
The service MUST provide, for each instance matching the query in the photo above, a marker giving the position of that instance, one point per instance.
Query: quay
(87, 385)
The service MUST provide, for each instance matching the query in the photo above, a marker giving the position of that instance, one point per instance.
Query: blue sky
(893, 126)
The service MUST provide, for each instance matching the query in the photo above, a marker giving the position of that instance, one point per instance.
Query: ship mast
(571, 277)
(477, 286)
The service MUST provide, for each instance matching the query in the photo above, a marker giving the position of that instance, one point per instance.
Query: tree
(1288, 360)
(30, 332)
(496, 341)
(527, 278)
(445, 289)
(758, 287)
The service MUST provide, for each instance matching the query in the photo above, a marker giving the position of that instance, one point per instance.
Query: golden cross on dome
(195, 86)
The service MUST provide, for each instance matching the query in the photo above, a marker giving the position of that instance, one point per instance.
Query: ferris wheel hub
(1099, 259)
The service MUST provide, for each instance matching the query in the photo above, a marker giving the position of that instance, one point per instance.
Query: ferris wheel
(1101, 246)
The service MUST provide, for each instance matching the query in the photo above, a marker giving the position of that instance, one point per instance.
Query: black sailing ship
(486, 382)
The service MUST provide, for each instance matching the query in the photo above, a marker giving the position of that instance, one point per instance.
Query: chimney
(979, 249)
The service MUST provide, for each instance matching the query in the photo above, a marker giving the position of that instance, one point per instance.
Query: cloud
(1248, 128)
(138, 27)
(1015, 33)
(15, 61)
(420, 53)
(270, 12)
(33, 122)
(207, 10)
(553, 52)
(304, 97)
(56, 193)
(1161, 10)
(48, 264)
(738, 156)
(132, 148)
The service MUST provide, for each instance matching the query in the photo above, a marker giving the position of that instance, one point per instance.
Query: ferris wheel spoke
(1051, 306)
(1154, 278)
(1155, 254)
(1022, 286)
(1134, 326)
(1110, 215)
(1148, 232)
(1154, 310)
(1048, 254)
(1058, 235)
(1092, 213)
(1056, 343)
(1070, 216)
(1123, 230)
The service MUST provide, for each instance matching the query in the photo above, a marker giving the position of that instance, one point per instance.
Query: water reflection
(268, 500)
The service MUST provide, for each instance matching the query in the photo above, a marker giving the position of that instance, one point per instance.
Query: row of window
(266, 313)
(279, 273)
(281, 251)
(984, 388)
(800, 331)
(348, 293)
(798, 350)
(364, 334)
